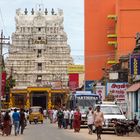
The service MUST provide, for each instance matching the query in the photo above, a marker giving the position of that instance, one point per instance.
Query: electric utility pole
(2, 42)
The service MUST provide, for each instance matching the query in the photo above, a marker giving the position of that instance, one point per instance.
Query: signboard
(89, 85)
(118, 90)
(75, 69)
(135, 64)
(100, 90)
(73, 81)
(113, 75)
(87, 97)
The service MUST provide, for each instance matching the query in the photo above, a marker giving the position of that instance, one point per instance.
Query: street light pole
(2, 38)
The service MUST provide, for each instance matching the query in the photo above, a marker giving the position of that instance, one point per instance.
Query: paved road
(51, 132)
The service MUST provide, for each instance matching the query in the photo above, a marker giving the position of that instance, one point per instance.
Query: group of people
(12, 118)
(66, 118)
(72, 119)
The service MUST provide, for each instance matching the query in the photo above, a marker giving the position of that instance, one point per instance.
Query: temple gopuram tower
(39, 53)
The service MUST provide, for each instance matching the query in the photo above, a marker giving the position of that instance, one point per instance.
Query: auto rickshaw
(36, 114)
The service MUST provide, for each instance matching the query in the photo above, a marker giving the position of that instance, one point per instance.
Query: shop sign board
(135, 64)
(100, 90)
(89, 85)
(118, 90)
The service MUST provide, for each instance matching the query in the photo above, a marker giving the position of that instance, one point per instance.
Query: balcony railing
(112, 35)
(112, 17)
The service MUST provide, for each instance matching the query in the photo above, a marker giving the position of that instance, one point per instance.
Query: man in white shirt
(66, 118)
(71, 119)
(54, 115)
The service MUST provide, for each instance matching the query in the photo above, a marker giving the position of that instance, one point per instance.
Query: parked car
(111, 111)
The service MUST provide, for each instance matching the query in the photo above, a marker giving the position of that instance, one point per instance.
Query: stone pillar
(27, 106)
(11, 100)
(49, 100)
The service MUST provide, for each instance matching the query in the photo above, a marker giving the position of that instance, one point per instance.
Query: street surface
(49, 131)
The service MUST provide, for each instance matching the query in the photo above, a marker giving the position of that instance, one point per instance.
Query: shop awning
(133, 87)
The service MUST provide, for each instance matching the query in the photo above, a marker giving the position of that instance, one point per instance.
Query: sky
(73, 20)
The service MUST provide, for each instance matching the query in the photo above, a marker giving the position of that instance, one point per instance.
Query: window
(39, 38)
(136, 101)
(39, 53)
(39, 78)
(39, 66)
(39, 29)
(111, 110)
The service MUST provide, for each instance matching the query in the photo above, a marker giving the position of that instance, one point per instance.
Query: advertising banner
(118, 90)
(73, 81)
(75, 69)
(135, 64)
(89, 85)
(113, 75)
(100, 90)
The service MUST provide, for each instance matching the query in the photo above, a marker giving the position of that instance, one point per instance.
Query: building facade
(110, 29)
(39, 53)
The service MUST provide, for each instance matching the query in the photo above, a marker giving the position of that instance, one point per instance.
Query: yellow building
(37, 96)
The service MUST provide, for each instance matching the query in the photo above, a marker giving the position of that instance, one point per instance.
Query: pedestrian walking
(22, 121)
(26, 117)
(55, 115)
(77, 120)
(50, 112)
(16, 120)
(90, 120)
(71, 117)
(6, 124)
(60, 117)
(45, 113)
(66, 118)
(98, 120)
(1, 121)
(11, 113)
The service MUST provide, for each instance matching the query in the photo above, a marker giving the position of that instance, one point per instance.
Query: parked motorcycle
(137, 128)
(124, 127)
(137, 122)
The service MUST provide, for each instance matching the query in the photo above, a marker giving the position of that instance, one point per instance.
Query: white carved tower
(39, 53)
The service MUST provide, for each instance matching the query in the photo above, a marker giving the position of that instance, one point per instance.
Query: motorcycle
(124, 127)
(137, 128)
(137, 122)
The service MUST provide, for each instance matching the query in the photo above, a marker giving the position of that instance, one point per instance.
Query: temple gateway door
(39, 99)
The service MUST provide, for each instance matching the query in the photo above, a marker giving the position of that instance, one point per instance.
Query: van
(111, 111)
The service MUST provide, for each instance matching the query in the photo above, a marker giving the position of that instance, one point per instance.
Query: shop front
(133, 97)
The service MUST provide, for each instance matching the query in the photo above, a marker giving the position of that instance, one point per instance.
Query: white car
(111, 111)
